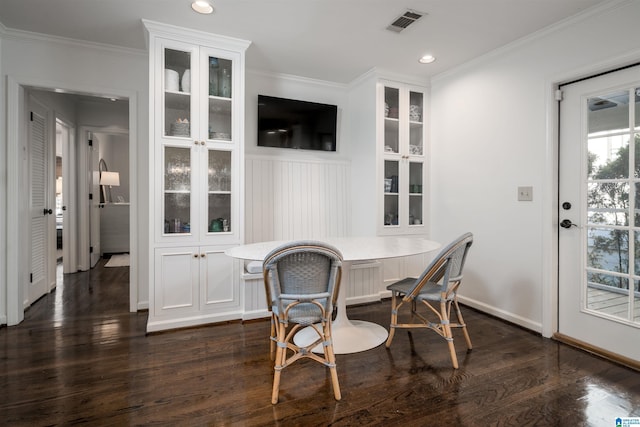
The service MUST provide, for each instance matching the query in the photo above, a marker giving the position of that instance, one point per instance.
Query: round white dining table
(349, 336)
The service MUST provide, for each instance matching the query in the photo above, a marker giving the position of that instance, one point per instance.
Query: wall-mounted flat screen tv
(288, 123)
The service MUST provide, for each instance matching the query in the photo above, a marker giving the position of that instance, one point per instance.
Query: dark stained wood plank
(81, 358)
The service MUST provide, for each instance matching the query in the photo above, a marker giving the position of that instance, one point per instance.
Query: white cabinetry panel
(220, 279)
(176, 280)
(196, 175)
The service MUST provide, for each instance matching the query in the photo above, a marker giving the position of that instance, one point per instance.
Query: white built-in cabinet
(402, 148)
(390, 162)
(196, 175)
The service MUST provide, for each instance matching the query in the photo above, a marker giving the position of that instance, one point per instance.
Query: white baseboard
(256, 314)
(185, 322)
(505, 315)
(143, 305)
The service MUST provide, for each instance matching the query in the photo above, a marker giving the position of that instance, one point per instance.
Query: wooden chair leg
(394, 320)
(467, 338)
(281, 356)
(272, 338)
(446, 327)
(331, 358)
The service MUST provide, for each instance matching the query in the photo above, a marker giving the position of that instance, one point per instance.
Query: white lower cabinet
(194, 285)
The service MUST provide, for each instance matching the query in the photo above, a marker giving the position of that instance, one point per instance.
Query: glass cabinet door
(391, 196)
(391, 120)
(219, 121)
(415, 193)
(219, 191)
(416, 144)
(177, 93)
(177, 190)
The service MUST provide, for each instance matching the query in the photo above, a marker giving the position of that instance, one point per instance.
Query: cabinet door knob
(203, 256)
(196, 255)
(203, 143)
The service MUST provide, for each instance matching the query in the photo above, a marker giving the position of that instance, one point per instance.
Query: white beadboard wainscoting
(301, 199)
(296, 199)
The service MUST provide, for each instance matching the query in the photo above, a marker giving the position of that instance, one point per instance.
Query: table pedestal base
(349, 336)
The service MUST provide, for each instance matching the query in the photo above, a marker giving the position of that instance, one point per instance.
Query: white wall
(490, 135)
(47, 62)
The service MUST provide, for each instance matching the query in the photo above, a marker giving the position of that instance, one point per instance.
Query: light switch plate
(525, 194)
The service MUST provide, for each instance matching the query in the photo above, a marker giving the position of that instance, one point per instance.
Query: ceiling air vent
(404, 20)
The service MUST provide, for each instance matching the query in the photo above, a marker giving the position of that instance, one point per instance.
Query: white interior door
(40, 211)
(599, 217)
(94, 203)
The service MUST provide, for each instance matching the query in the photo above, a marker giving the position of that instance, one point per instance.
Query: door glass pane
(636, 215)
(608, 203)
(636, 301)
(219, 191)
(608, 157)
(608, 294)
(177, 190)
(391, 128)
(416, 143)
(608, 249)
(415, 193)
(391, 168)
(220, 83)
(636, 96)
(608, 113)
(177, 93)
(636, 146)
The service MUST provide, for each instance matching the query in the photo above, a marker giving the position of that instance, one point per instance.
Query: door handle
(47, 211)
(566, 223)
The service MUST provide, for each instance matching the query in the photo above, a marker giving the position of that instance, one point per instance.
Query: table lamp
(109, 179)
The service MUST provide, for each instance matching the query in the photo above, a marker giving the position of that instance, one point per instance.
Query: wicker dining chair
(302, 281)
(436, 289)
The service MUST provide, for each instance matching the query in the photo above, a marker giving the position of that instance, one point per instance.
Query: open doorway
(110, 230)
(69, 174)
(18, 162)
(65, 194)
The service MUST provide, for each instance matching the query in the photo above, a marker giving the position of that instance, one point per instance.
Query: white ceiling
(333, 40)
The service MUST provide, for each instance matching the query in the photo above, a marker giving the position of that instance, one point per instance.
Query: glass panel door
(177, 190)
(598, 239)
(416, 144)
(220, 84)
(219, 191)
(612, 228)
(391, 120)
(177, 93)
(391, 196)
(415, 193)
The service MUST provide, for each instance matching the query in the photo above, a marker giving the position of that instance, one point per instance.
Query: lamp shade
(110, 178)
(59, 185)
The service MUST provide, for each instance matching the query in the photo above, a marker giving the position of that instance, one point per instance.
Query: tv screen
(288, 123)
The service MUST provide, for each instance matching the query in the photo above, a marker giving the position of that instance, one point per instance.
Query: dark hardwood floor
(80, 357)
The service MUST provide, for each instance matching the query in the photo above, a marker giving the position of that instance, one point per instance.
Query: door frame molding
(15, 114)
(69, 256)
(550, 182)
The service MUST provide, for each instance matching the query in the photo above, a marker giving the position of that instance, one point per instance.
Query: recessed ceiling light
(427, 59)
(202, 6)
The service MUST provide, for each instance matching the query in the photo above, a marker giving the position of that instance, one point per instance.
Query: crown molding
(298, 79)
(558, 26)
(29, 36)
